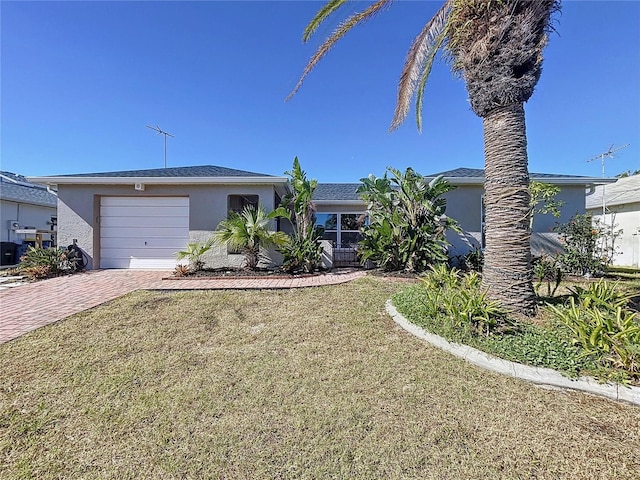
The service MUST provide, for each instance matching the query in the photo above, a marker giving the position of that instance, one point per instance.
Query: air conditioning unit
(139, 186)
(14, 224)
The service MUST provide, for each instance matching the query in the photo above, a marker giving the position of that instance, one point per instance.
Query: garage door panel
(151, 222)
(143, 232)
(158, 263)
(138, 232)
(150, 211)
(140, 252)
(124, 243)
(145, 201)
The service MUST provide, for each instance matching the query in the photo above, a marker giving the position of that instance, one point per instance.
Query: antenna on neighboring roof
(602, 157)
(166, 134)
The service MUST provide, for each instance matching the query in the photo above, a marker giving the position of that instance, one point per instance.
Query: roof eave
(553, 181)
(158, 180)
(339, 202)
(29, 202)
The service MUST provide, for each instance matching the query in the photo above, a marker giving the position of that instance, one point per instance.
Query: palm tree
(248, 232)
(496, 47)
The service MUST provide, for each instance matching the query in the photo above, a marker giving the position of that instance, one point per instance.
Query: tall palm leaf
(496, 47)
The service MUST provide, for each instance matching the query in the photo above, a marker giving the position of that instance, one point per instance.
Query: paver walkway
(27, 307)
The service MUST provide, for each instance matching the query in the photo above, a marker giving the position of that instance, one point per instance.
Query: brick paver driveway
(31, 306)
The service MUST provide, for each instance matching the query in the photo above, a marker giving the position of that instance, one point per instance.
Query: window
(237, 203)
(342, 229)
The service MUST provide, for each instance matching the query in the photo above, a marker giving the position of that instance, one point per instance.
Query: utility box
(8, 253)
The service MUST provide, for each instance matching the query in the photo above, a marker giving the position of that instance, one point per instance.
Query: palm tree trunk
(507, 272)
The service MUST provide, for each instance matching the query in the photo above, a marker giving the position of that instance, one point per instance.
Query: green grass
(314, 383)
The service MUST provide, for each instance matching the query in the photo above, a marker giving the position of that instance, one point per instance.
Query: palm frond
(328, 8)
(342, 29)
(426, 71)
(419, 60)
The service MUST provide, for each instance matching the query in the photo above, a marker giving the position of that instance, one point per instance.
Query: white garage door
(142, 232)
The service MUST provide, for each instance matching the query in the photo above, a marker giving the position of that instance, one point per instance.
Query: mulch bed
(228, 273)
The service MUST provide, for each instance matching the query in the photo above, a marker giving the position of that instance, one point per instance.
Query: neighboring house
(622, 209)
(140, 218)
(24, 206)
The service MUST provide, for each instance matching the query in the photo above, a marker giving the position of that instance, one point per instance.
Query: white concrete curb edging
(538, 375)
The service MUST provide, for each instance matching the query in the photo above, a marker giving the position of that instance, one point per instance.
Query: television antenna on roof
(166, 134)
(608, 154)
(602, 157)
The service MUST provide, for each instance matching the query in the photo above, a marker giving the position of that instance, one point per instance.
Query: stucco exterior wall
(79, 213)
(27, 215)
(627, 218)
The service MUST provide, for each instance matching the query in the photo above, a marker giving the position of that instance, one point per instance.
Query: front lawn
(304, 383)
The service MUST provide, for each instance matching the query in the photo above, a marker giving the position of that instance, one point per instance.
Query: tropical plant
(547, 269)
(602, 325)
(303, 252)
(248, 232)
(39, 263)
(194, 252)
(460, 297)
(407, 221)
(543, 200)
(471, 261)
(496, 47)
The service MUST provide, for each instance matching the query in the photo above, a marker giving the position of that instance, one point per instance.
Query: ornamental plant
(589, 245)
(407, 221)
(303, 252)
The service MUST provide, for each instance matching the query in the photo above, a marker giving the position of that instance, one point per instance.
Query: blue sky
(80, 80)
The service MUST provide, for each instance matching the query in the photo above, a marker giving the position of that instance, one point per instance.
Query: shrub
(589, 247)
(193, 253)
(542, 346)
(248, 232)
(303, 252)
(546, 268)
(460, 298)
(39, 263)
(472, 261)
(602, 325)
(407, 221)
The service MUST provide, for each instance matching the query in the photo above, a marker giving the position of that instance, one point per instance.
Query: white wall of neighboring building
(27, 216)
(626, 218)
(622, 207)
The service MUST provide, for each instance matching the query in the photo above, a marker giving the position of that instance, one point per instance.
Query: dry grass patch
(313, 383)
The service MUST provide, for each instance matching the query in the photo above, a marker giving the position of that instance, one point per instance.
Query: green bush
(547, 269)
(303, 252)
(39, 263)
(602, 325)
(193, 253)
(460, 298)
(539, 346)
(407, 221)
(588, 246)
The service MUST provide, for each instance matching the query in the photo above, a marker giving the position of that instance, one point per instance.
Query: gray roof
(177, 172)
(624, 191)
(16, 188)
(479, 174)
(336, 191)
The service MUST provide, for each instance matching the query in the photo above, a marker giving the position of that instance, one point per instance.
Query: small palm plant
(248, 232)
(193, 253)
